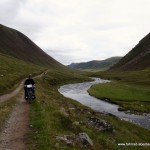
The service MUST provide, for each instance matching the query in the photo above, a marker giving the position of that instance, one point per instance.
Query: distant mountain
(137, 59)
(16, 44)
(96, 64)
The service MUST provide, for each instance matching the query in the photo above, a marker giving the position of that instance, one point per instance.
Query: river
(78, 92)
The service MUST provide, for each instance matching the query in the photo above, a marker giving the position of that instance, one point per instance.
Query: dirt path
(6, 97)
(13, 136)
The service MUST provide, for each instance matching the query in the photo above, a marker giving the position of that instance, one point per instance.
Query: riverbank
(52, 115)
(128, 89)
(79, 93)
(128, 97)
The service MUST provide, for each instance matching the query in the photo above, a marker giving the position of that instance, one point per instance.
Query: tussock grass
(47, 120)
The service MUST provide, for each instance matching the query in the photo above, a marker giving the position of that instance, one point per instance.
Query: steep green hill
(16, 44)
(137, 59)
(96, 64)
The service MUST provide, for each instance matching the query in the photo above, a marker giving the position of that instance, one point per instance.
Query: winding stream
(79, 93)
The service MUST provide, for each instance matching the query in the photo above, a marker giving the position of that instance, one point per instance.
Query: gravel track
(13, 135)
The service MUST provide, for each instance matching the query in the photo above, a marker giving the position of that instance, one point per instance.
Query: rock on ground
(99, 124)
(82, 139)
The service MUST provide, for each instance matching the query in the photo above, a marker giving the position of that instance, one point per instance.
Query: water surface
(79, 93)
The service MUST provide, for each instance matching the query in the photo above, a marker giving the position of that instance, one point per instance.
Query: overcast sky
(79, 30)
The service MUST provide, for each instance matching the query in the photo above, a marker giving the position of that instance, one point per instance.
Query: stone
(84, 139)
(31, 126)
(68, 139)
(99, 124)
(81, 140)
(57, 145)
(72, 108)
(43, 102)
(63, 112)
(76, 123)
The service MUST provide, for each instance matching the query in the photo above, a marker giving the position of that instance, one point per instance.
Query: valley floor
(53, 115)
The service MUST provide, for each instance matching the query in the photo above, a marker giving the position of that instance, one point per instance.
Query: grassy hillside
(14, 43)
(95, 64)
(13, 70)
(132, 80)
(137, 59)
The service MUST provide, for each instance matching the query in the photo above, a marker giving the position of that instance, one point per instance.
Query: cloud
(79, 30)
(7, 10)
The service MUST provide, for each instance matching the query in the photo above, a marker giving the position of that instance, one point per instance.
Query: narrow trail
(13, 135)
(6, 97)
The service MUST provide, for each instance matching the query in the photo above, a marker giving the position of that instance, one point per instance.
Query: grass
(131, 90)
(141, 77)
(47, 120)
(136, 98)
(13, 71)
